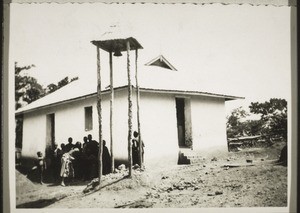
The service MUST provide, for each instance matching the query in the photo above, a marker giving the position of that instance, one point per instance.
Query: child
(41, 165)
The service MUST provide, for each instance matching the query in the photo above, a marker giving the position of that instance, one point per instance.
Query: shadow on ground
(39, 203)
(94, 187)
(33, 176)
(137, 204)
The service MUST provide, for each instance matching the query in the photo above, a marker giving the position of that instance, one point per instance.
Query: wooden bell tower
(115, 46)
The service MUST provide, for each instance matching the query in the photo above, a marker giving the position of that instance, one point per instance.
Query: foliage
(19, 131)
(273, 114)
(235, 118)
(254, 127)
(235, 126)
(53, 87)
(273, 121)
(27, 89)
(267, 108)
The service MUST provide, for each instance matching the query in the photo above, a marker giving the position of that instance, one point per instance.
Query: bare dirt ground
(260, 183)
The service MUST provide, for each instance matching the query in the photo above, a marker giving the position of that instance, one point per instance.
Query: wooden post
(129, 110)
(138, 110)
(99, 109)
(111, 112)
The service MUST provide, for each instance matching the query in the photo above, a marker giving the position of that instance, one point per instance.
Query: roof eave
(151, 90)
(67, 101)
(185, 92)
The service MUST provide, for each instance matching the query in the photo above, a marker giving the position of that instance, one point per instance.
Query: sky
(239, 50)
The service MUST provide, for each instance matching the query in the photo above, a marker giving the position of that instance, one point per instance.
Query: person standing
(136, 149)
(78, 162)
(63, 149)
(85, 142)
(135, 152)
(41, 166)
(56, 157)
(70, 145)
(86, 168)
(67, 170)
(106, 159)
(93, 147)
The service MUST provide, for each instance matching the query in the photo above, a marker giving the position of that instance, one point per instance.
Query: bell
(117, 53)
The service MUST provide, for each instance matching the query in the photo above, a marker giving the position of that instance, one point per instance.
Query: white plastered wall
(209, 123)
(70, 122)
(159, 126)
(34, 134)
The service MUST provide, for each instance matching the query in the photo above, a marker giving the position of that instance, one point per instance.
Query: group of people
(80, 160)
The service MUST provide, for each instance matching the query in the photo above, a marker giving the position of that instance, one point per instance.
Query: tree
(53, 87)
(274, 115)
(19, 131)
(27, 89)
(253, 127)
(235, 126)
(63, 82)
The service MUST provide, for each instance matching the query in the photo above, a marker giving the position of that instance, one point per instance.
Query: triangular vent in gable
(161, 61)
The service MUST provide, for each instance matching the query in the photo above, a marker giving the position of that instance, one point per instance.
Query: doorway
(50, 137)
(184, 125)
(180, 121)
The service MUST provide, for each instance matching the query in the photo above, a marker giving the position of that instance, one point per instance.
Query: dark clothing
(106, 161)
(93, 146)
(59, 153)
(93, 166)
(69, 146)
(93, 158)
(84, 145)
(86, 167)
(90, 159)
(78, 164)
(135, 152)
(56, 163)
